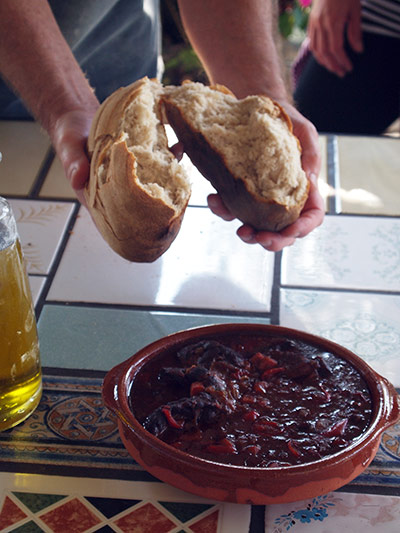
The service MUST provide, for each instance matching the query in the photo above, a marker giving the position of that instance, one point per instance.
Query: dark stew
(260, 402)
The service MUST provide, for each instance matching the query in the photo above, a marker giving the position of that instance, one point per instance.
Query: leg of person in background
(366, 101)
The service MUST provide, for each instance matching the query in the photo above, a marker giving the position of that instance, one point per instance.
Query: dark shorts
(366, 101)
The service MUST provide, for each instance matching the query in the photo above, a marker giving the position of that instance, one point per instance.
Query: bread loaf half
(137, 192)
(245, 148)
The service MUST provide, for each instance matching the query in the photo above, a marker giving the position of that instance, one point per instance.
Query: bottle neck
(8, 226)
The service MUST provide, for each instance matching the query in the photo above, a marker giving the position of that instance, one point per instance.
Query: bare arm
(235, 40)
(39, 65)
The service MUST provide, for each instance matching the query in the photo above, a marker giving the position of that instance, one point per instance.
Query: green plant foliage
(186, 60)
(293, 16)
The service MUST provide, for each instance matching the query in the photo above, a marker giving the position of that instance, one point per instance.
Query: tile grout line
(334, 202)
(321, 288)
(57, 259)
(41, 175)
(173, 310)
(276, 290)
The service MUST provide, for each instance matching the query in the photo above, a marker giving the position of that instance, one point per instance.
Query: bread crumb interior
(157, 169)
(254, 141)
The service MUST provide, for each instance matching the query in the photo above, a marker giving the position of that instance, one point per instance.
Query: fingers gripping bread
(245, 148)
(137, 192)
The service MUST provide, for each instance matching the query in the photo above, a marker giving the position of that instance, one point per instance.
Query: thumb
(78, 174)
(77, 167)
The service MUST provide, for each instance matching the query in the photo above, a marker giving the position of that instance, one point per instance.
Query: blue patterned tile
(346, 252)
(367, 324)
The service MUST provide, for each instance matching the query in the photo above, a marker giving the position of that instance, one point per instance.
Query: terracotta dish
(244, 484)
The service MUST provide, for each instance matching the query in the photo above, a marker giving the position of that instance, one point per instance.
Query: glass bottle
(20, 369)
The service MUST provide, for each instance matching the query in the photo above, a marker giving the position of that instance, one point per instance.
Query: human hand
(69, 138)
(329, 22)
(313, 212)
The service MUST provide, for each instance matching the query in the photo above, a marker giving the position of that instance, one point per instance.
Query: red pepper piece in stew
(265, 426)
(252, 449)
(196, 388)
(293, 449)
(337, 429)
(272, 372)
(262, 362)
(223, 446)
(251, 415)
(171, 420)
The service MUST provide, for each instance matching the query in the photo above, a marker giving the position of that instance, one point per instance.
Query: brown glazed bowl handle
(391, 402)
(111, 384)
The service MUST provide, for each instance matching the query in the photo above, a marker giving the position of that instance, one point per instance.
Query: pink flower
(305, 3)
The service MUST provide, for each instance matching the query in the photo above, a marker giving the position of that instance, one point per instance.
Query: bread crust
(135, 224)
(134, 216)
(255, 210)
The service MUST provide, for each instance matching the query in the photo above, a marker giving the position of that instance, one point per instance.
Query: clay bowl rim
(120, 379)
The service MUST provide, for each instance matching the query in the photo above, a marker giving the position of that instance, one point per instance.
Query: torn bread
(245, 148)
(137, 192)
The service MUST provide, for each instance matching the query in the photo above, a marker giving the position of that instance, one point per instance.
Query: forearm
(235, 40)
(38, 63)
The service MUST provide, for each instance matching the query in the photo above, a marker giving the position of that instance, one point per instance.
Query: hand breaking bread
(137, 192)
(245, 148)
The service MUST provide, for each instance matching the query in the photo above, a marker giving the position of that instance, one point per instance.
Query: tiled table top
(95, 309)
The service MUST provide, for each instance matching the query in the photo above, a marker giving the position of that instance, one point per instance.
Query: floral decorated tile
(207, 266)
(55, 504)
(41, 226)
(336, 511)
(346, 252)
(368, 324)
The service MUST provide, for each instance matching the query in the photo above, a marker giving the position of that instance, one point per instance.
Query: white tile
(346, 252)
(336, 511)
(207, 266)
(201, 187)
(36, 283)
(369, 170)
(41, 226)
(56, 184)
(366, 324)
(24, 146)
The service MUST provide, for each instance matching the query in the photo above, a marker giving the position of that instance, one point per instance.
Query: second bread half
(245, 148)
